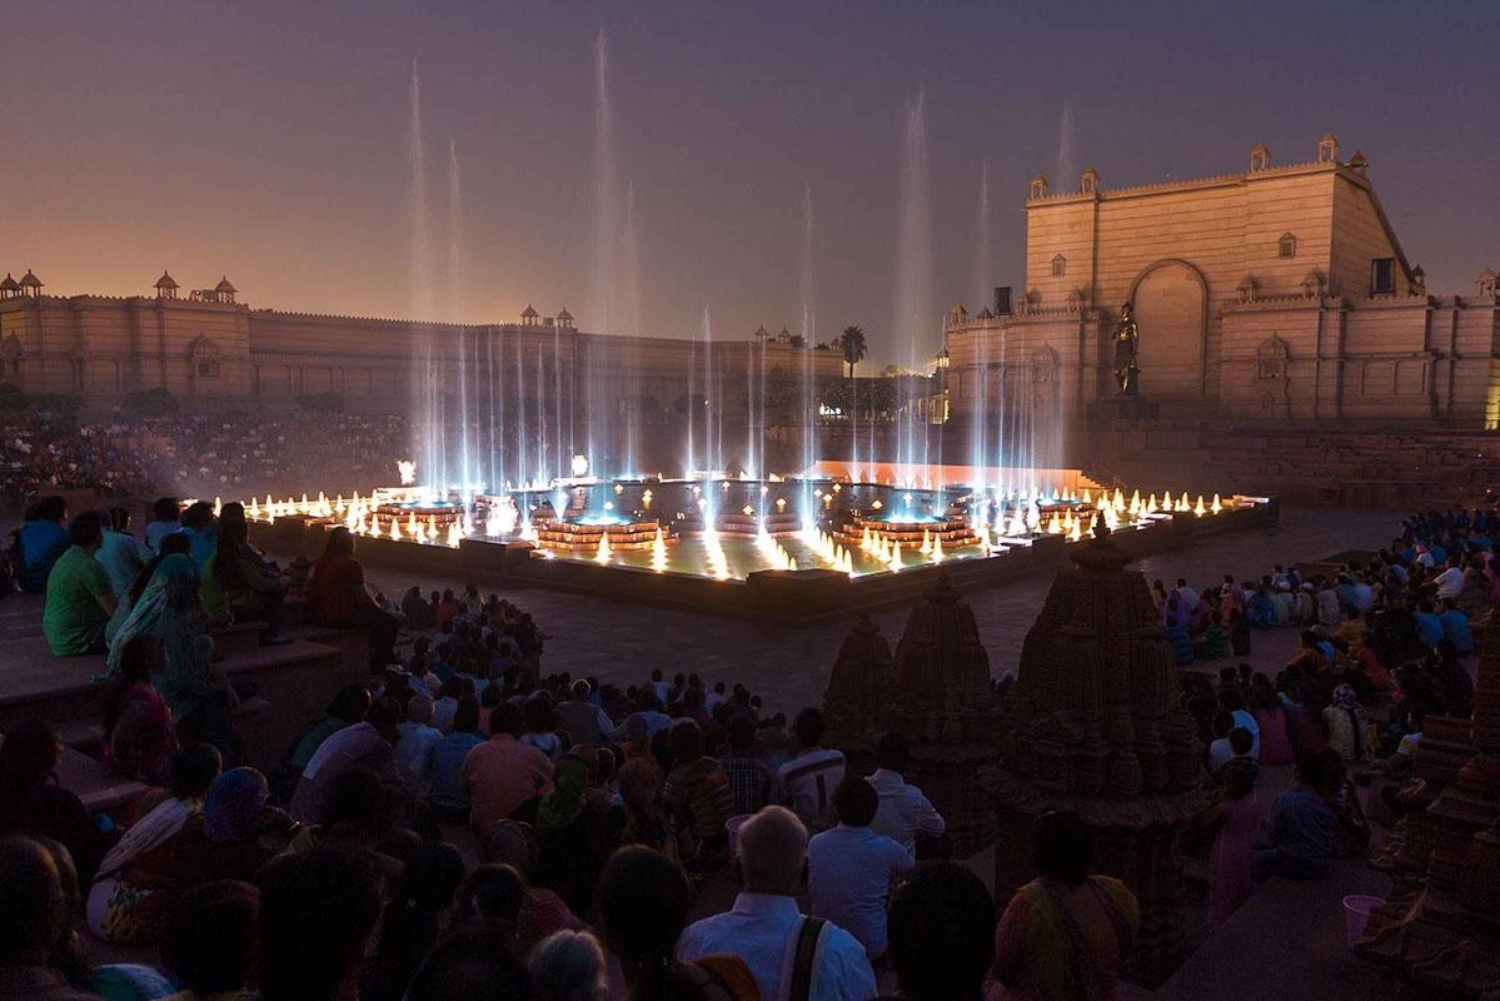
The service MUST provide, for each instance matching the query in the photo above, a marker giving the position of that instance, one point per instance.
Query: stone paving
(621, 643)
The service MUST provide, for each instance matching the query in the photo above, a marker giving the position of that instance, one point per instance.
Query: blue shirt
(851, 873)
(1429, 628)
(414, 749)
(122, 559)
(1304, 825)
(42, 542)
(1456, 630)
(158, 530)
(447, 767)
(203, 544)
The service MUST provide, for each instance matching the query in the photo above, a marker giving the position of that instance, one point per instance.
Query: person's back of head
(1241, 740)
(119, 519)
(643, 902)
(468, 965)
(86, 530)
(507, 717)
(30, 751)
(941, 929)
(539, 714)
(209, 940)
(741, 731)
(193, 771)
(317, 910)
(1064, 847)
(198, 516)
(893, 751)
(1223, 722)
(34, 904)
(687, 742)
(52, 508)
(856, 802)
(419, 710)
(656, 674)
(773, 852)
(358, 798)
(466, 715)
(384, 715)
(568, 966)
(809, 726)
(581, 690)
(351, 703)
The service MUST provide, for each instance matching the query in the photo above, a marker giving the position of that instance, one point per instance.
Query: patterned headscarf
(233, 803)
(163, 611)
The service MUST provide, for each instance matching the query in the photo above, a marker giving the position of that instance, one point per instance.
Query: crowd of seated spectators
(201, 455)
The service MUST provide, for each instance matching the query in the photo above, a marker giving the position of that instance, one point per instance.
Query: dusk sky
(268, 141)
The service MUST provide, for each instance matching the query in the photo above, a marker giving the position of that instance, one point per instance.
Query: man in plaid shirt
(749, 779)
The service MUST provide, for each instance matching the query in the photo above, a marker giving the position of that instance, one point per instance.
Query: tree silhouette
(852, 343)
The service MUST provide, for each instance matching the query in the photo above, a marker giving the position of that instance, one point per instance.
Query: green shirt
(73, 619)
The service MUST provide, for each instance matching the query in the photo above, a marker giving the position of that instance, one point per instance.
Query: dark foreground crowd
(462, 825)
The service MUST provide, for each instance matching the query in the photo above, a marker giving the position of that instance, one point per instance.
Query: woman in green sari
(194, 687)
(574, 832)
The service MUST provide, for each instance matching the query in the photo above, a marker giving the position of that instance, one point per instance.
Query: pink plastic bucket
(1357, 908)
(732, 826)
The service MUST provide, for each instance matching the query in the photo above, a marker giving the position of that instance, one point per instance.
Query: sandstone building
(210, 350)
(1279, 294)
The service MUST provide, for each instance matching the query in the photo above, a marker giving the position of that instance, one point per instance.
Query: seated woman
(646, 817)
(194, 687)
(171, 545)
(114, 895)
(221, 842)
(338, 596)
(239, 586)
(574, 830)
(139, 736)
(499, 891)
(1065, 934)
(31, 801)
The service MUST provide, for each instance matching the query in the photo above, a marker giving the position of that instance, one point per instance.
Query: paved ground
(620, 642)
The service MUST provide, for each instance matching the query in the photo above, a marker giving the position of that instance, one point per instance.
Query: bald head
(773, 851)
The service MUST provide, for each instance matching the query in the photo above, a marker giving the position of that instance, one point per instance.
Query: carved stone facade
(1302, 253)
(938, 693)
(209, 349)
(1091, 726)
(1441, 927)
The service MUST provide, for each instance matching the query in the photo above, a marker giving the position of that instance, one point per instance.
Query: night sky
(268, 141)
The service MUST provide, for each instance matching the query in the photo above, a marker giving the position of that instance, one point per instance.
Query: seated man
(806, 783)
(765, 928)
(852, 870)
(41, 542)
(1303, 826)
(904, 813)
(80, 600)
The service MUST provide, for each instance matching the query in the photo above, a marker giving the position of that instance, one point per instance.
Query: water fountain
(913, 303)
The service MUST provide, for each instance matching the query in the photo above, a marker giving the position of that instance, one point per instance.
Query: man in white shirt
(904, 812)
(852, 870)
(806, 783)
(1186, 595)
(765, 928)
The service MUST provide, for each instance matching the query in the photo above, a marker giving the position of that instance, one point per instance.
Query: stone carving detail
(858, 686)
(937, 691)
(1439, 928)
(1091, 725)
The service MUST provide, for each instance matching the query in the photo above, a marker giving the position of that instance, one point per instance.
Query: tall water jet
(1067, 153)
(466, 475)
(631, 266)
(809, 414)
(427, 422)
(604, 305)
(979, 418)
(913, 307)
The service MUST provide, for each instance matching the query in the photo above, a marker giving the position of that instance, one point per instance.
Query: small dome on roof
(529, 312)
(165, 281)
(785, 334)
(224, 286)
(563, 314)
(29, 280)
(9, 285)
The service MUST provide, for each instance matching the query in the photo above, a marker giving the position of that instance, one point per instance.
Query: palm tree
(852, 343)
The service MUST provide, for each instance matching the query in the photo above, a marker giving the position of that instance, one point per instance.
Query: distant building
(1278, 294)
(211, 350)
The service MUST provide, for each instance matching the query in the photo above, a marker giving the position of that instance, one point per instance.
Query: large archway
(1171, 308)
